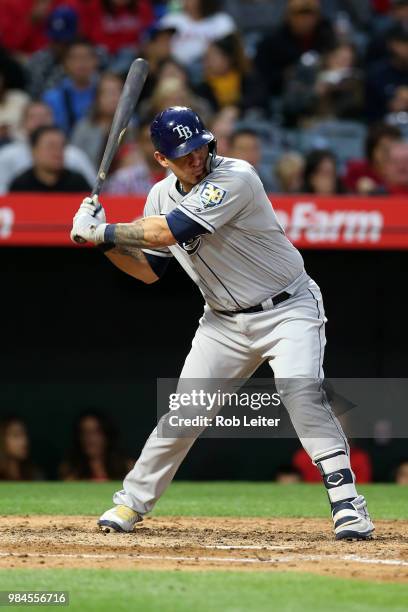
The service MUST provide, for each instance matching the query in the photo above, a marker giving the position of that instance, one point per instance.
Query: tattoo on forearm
(134, 253)
(130, 235)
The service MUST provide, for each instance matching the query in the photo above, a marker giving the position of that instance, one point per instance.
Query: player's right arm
(147, 267)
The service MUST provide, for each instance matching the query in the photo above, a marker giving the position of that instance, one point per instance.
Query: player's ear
(161, 159)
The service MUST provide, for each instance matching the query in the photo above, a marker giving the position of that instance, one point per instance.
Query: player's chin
(199, 176)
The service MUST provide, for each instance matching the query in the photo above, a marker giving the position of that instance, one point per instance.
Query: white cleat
(120, 518)
(352, 521)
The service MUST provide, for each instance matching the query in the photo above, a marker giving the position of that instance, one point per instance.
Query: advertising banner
(310, 222)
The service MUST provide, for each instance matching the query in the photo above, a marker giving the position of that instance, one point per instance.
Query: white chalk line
(281, 559)
(246, 547)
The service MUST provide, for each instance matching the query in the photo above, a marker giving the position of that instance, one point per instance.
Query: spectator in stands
(16, 157)
(360, 464)
(12, 104)
(339, 84)
(255, 17)
(156, 49)
(48, 173)
(12, 70)
(94, 454)
(397, 16)
(117, 26)
(401, 473)
(23, 23)
(172, 69)
(140, 176)
(91, 132)
(380, 7)
(326, 89)
(74, 96)
(15, 461)
(199, 23)
(289, 172)
(246, 144)
(227, 78)
(44, 68)
(222, 125)
(169, 68)
(386, 75)
(398, 103)
(367, 176)
(396, 170)
(171, 91)
(320, 174)
(287, 474)
(261, 15)
(304, 29)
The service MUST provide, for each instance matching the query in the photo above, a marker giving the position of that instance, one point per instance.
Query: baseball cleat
(352, 521)
(119, 518)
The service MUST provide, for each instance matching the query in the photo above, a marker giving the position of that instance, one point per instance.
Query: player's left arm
(149, 232)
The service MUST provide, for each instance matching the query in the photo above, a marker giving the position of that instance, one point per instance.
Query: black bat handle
(96, 191)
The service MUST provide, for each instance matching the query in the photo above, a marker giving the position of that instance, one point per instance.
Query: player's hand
(88, 228)
(92, 207)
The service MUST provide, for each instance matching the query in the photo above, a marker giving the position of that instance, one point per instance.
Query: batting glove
(93, 208)
(86, 227)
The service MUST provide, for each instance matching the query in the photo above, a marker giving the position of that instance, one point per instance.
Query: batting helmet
(178, 130)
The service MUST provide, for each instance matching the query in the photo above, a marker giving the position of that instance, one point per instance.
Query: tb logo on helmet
(183, 131)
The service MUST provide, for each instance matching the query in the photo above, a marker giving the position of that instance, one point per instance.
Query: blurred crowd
(313, 93)
(96, 454)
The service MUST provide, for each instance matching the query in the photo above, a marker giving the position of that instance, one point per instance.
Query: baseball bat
(128, 99)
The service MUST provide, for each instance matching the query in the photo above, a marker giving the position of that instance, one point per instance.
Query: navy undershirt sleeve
(182, 227)
(157, 264)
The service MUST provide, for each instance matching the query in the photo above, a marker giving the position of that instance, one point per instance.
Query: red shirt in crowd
(381, 6)
(401, 190)
(360, 464)
(122, 27)
(23, 23)
(357, 169)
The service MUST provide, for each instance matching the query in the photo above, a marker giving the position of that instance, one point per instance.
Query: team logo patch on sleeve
(211, 195)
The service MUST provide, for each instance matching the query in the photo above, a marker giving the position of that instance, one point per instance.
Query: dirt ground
(205, 543)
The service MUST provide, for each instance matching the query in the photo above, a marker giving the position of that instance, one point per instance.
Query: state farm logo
(309, 223)
(6, 222)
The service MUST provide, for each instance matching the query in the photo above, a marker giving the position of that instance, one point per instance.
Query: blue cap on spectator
(155, 30)
(62, 24)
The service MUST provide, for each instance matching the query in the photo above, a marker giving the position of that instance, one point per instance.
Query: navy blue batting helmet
(178, 130)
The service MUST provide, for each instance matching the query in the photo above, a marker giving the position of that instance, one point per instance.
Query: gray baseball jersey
(239, 255)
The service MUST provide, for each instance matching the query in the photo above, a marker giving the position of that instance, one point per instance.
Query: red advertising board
(310, 222)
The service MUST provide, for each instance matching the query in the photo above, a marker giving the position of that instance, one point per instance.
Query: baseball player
(212, 214)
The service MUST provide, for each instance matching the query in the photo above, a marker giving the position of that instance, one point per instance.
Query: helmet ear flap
(212, 152)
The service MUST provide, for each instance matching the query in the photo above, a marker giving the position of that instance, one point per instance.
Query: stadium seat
(344, 138)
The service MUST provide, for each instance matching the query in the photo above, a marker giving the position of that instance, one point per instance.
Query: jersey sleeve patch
(211, 195)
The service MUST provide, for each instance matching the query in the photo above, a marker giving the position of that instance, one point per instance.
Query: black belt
(281, 297)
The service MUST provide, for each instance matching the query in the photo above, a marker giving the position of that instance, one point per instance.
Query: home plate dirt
(250, 544)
